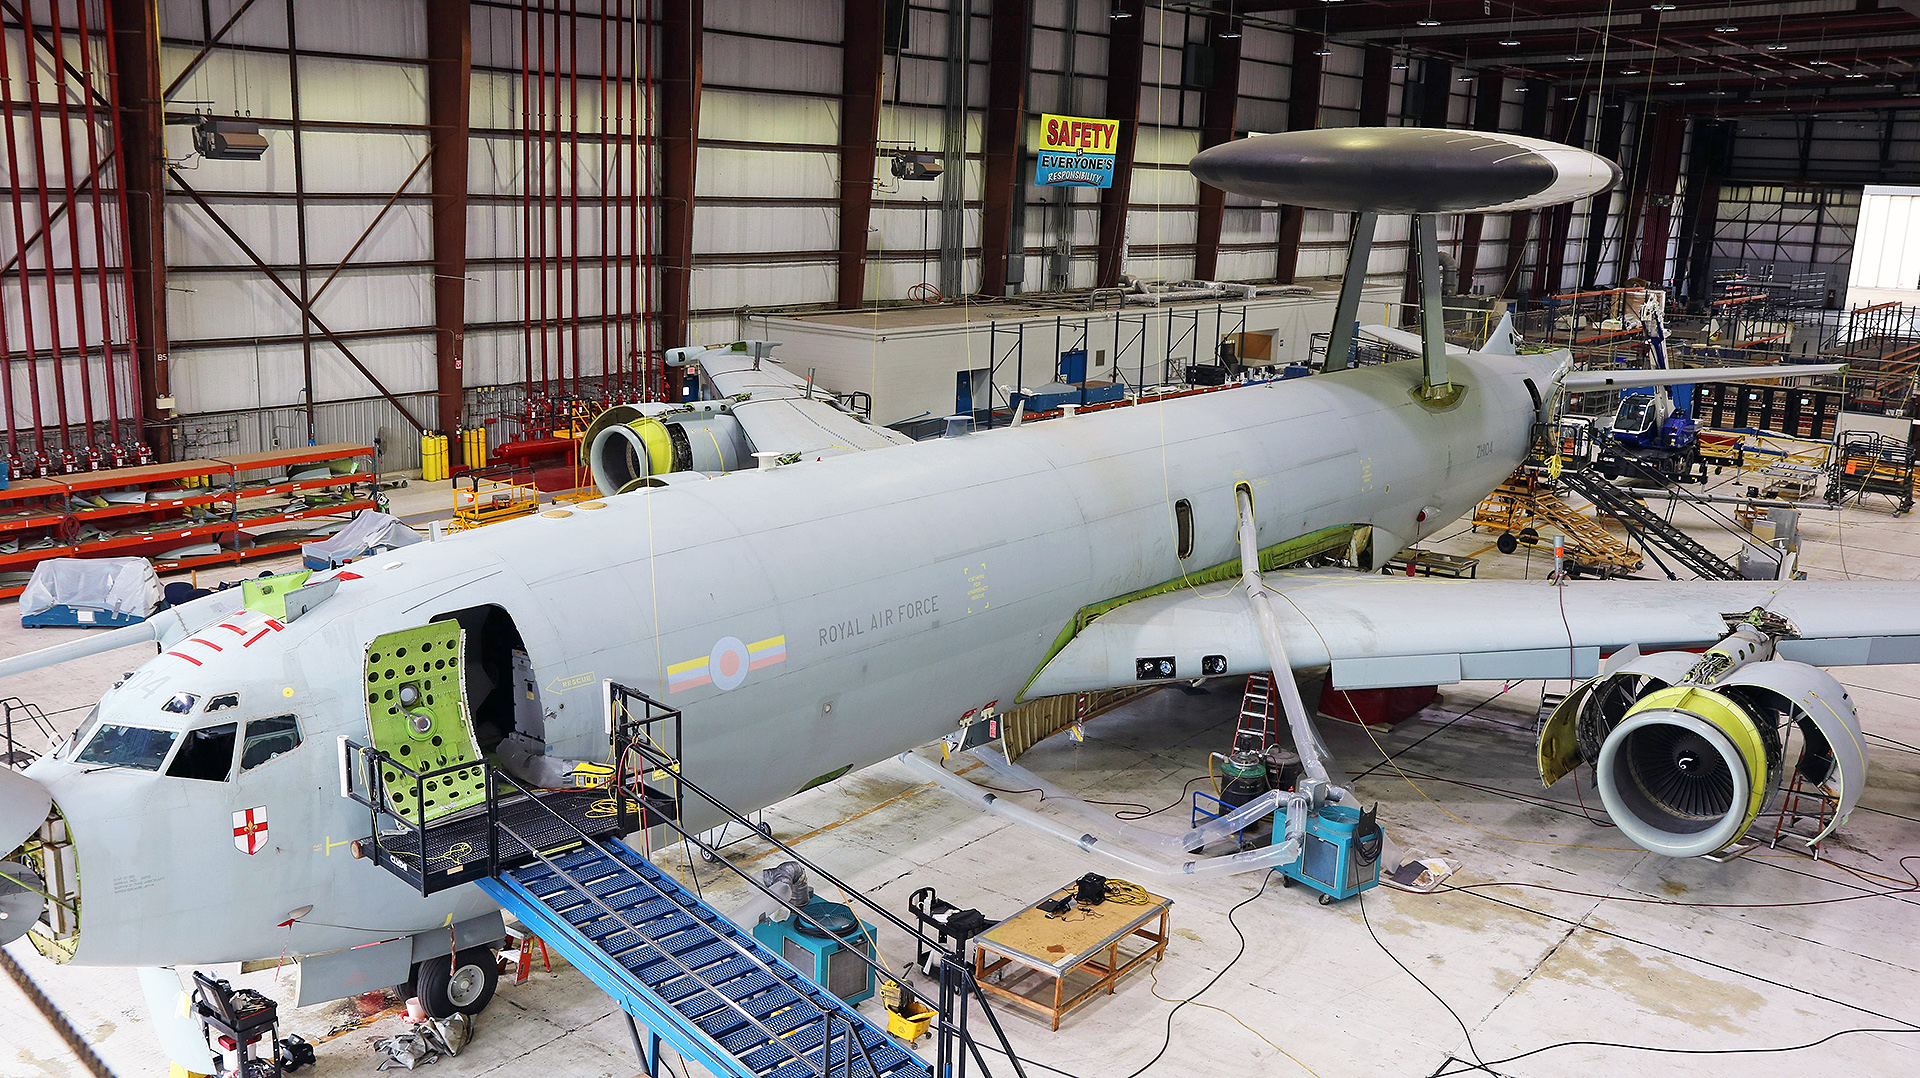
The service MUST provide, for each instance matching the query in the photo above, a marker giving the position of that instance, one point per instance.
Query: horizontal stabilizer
(1405, 340)
(1587, 381)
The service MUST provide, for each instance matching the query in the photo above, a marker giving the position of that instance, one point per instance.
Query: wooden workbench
(1082, 940)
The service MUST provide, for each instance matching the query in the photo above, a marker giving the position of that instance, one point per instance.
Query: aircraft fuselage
(809, 619)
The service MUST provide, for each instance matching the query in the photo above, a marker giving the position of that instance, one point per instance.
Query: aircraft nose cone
(23, 808)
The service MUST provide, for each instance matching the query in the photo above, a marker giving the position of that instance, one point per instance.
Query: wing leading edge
(1382, 631)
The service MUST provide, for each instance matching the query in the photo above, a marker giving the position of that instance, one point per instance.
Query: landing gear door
(417, 714)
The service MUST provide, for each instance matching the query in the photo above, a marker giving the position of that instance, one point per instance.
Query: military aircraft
(854, 598)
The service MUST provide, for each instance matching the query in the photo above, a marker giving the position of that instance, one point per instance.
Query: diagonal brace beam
(292, 296)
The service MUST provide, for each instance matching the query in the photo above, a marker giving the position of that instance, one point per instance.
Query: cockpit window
(207, 754)
(81, 735)
(181, 703)
(268, 738)
(223, 701)
(128, 746)
(1635, 416)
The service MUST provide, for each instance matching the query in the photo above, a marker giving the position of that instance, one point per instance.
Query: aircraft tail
(1500, 341)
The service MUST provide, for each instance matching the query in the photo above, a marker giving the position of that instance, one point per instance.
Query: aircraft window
(1183, 526)
(128, 746)
(181, 703)
(207, 754)
(81, 735)
(268, 738)
(224, 701)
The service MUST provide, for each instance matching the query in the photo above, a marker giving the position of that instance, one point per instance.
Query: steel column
(861, 55)
(1347, 310)
(1006, 125)
(449, 67)
(49, 263)
(103, 266)
(1533, 124)
(1707, 165)
(1303, 114)
(682, 52)
(1668, 130)
(134, 26)
(1218, 106)
(20, 229)
(1376, 85)
(300, 218)
(1488, 90)
(1125, 48)
(1607, 145)
(1571, 129)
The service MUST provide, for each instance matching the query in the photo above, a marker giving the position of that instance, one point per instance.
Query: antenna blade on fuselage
(94, 644)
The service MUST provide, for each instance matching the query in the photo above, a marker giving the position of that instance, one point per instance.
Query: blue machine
(831, 961)
(60, 614)
(1339, 853)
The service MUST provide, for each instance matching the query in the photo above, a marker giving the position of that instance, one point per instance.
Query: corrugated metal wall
(765, 227)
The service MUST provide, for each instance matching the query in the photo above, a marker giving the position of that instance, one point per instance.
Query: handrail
(951, 965)
(822, 1068)
(38, 720)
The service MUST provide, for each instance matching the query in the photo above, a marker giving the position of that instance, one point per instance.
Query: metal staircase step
(692, 976)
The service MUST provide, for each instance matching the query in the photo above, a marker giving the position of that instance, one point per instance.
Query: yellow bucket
(911, 1026)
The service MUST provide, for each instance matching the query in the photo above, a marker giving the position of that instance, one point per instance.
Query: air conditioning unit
(917, 166)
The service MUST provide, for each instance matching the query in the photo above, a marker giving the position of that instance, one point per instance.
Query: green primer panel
(268, 594)
(428, 659)
(1279, 555)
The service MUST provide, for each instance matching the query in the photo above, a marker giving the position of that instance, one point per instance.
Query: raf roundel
(728, 662)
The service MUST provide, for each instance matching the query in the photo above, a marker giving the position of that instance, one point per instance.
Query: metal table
(1082, 940)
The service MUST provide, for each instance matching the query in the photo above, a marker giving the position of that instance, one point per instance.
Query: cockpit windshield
(128, 746)
(1635, 415)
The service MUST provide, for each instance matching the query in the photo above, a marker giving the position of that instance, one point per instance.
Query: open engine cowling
(1685, 768)
(631, 443)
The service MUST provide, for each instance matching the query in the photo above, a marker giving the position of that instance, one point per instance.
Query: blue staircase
(688, 974)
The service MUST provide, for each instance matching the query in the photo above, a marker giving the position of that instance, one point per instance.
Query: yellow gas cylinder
(476, 447)
(433, 457)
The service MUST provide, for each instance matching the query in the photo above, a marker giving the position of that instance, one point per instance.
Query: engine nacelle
(1687, 751)
(630, 443)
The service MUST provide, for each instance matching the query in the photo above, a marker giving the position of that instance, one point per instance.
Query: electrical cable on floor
(1911, 888)
(1677, 1051)
(1364, 919)
(1176, 803)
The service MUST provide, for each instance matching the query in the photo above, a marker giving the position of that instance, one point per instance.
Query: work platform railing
(554, 858)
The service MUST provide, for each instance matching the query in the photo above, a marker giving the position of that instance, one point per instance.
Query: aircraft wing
(1378, 631)
(780, 413)
(1584, 381)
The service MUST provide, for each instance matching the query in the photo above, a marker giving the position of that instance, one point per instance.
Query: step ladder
(1649, 527)
(1259, 724)
(1794, 808)
(688, 974)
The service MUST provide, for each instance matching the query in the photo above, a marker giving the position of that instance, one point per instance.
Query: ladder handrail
(827, 1013)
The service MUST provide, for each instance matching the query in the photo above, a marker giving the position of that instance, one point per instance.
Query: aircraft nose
(23, 808)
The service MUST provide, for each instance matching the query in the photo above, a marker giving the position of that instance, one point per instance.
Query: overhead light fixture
(1231, 33)
(1400, 64)
(1726, 29)
(1465, 78)
(1509, 41)
(1323, 51)
(1778, 46)
(1661, 7)
(1856, 74)
(1576, 59)
(1119, 12)
(1676, 82)
(1631, 71)
(1429, 20)
(1571, 97)
(1821, 63)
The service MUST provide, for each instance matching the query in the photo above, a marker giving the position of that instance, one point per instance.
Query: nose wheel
(462, 985)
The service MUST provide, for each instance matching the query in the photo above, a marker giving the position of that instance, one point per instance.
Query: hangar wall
(305, 295)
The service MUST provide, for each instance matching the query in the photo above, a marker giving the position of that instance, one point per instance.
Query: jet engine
(1688, 750)
(630, 443)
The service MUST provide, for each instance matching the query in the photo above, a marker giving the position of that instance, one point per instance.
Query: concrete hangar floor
(1555, 929)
